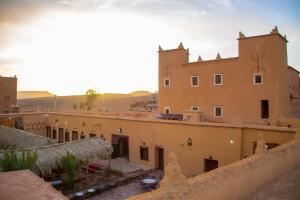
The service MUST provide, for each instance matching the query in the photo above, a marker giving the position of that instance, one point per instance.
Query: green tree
(12, 162)
(91, 96)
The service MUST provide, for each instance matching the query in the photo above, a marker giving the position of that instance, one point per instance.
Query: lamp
(189, 142)
(120, 130)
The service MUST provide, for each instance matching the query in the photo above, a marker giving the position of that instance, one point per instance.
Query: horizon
(82, 44)
(82, 94)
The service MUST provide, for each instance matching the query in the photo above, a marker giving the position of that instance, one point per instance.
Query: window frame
(198, 81)
(218, 74)
(222, 111)
(167, 79)
(254, 78)
(198, 108)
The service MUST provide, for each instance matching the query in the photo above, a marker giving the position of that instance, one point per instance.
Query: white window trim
(221, 78)
(192, 81)
(262, 78)
(198, 108)
(167, 108)
(165, 82)
(222, 111)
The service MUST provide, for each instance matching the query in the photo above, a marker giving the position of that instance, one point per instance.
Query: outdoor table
(79, 194)
(149, 181)
(91, 190)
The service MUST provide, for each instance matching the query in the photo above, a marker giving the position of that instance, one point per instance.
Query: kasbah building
(211, 112)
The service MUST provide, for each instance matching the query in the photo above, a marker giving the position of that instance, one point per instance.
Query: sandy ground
(285, 188)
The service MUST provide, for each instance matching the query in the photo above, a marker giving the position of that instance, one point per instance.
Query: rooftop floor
(285, 188)
(25, 185)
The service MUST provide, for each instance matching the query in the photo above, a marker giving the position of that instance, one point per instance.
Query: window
(218, 111)
(257, 79)
(6, 98)
(264, 109)
(218, 79)
(92, 135)
(195, 81)
(195, 108)
(144, 153)
(167, 82)
(167, 110)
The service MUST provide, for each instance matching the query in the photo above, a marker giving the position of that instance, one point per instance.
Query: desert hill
(140, 93)
(107, 101)
(33, 94)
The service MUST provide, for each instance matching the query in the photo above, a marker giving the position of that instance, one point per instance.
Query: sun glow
(79, 51)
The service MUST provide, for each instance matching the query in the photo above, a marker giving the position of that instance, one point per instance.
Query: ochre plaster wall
(238, 95)
(223, 142)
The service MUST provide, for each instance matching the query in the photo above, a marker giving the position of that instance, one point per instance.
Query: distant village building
(148, 105)
(258, 86)
(8, 94)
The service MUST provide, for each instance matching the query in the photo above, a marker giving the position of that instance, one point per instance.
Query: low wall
(234, 181)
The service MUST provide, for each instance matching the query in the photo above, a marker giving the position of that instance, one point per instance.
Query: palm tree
(70, 166)
(11, 161)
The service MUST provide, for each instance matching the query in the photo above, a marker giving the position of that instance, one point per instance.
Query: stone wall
(234, 181)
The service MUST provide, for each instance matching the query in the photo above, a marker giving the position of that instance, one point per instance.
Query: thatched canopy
(18, 139)
(49, 157)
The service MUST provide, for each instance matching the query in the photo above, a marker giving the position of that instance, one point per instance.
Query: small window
(6, 98)
(92, 135)
(218, 111)
(167, 82)
(257, 79)
(195, 81)
(195, 108)
(218, 79)
(167, 110)
(144, 153)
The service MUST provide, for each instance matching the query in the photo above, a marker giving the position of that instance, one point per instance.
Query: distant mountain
(140, 93)
(33, 94)
(107, 101)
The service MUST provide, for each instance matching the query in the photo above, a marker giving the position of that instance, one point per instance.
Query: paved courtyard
(124, 191)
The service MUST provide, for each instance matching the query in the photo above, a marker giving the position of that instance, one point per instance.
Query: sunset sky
(66, 47)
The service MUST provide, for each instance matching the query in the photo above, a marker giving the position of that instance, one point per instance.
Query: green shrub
(12, 162)
(70, 166)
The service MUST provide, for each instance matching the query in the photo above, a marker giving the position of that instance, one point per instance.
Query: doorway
(48, 132)
(264, 109)
(210, 164)
(60, 135)
(159, 158)
(120, 145)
